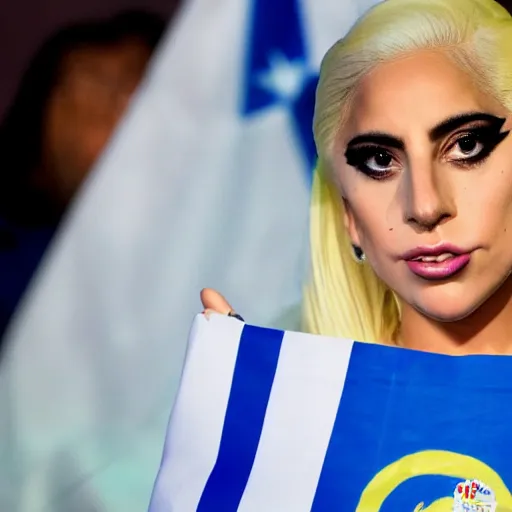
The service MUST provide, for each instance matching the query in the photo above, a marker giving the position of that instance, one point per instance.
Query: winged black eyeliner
(365, 146)
(453, 123)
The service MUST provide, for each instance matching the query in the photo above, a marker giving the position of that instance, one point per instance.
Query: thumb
(213, 300)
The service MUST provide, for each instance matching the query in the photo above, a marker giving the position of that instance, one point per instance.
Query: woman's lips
(442, 266)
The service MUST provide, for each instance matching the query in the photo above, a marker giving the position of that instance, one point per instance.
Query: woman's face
(96, 86)
(424, 163)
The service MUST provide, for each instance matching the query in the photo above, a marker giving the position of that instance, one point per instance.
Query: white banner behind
(205, 184)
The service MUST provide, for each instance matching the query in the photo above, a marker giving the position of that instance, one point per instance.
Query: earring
(359, 255)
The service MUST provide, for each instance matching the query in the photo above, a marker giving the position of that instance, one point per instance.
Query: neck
(488, 330)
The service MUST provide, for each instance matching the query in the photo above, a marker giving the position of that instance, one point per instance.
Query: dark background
(24, 24)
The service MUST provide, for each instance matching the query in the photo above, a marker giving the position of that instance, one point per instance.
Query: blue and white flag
(271, 420)
(206, 183)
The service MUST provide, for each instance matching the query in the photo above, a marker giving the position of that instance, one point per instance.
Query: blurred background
(147, 150)
(25, 24)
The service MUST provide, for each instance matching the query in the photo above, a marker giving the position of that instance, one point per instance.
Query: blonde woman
(411, 214)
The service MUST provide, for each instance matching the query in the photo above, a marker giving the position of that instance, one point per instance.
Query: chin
(457, 301)
(446, 308)
(446, 315)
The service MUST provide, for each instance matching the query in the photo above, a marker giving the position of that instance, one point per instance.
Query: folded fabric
(278, 421)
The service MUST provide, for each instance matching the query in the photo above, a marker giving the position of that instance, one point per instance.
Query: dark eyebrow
(377, 138)
(449, 125)
(438, 132)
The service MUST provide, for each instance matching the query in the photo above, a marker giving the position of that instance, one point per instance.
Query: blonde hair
(345, 298)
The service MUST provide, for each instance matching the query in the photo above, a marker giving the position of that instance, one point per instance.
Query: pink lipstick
(438, 262)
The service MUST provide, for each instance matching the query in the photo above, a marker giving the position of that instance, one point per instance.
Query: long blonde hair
(345, 298)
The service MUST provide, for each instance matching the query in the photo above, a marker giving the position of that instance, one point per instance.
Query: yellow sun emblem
(432, 462)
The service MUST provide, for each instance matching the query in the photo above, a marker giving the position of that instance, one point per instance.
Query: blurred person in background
(72, 96)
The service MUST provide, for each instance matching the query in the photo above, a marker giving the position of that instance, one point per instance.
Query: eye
(380, 162)
(473, 146)
(468, 146)
(375, 162)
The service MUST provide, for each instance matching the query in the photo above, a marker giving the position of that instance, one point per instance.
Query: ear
(350, 224)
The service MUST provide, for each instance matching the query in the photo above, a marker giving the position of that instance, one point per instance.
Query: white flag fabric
(302, 407)
(206, 183)
(272, 420)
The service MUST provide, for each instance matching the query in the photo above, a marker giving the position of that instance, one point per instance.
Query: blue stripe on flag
(398, 402)
(256, 364)
(331, 490)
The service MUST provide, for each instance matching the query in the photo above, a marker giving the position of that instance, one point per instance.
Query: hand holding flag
(277, 420)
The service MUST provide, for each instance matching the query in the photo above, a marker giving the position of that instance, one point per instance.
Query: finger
(213, 300)
(208, 313)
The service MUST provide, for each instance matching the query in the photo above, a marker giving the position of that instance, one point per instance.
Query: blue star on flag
(278, 71)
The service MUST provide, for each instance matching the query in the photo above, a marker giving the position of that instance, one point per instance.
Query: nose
(428, 199)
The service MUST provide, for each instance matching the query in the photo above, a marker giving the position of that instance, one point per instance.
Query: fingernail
(236, 315)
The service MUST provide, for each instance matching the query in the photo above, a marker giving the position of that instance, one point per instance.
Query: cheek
(374, 213)
(94, 141)
(484, 207)
(80, 155)
(85, 141)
